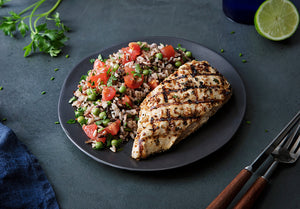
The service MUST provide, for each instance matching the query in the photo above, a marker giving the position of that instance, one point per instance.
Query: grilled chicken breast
(177, 107)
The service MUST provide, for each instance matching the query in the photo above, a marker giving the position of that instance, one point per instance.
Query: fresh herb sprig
(2, 2)
(50, 41)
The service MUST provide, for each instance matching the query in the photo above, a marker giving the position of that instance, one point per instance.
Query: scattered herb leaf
(56, 122)
(56, 69)
(240, 54)
(244, 61)
(248, 122)
(52, 78)
(179, 47)
(92, 60)
(222, 50)
(1, 88)
(232, 32)
(43, 92)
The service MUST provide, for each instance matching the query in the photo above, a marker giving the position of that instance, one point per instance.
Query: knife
(227, 195)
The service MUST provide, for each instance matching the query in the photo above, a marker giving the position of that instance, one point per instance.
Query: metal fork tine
(296, 144)
(291, 138)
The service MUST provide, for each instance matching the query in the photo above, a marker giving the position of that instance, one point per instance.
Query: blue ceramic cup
(241, 11)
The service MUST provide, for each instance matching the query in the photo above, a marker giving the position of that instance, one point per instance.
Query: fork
(288, 151)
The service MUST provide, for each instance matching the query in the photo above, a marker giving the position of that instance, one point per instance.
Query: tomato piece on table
(98, 64)
(114, 127)
(133, 82)
(168, 51)
(89, 130)
(108, 93)
(153, 84)
(126, 101)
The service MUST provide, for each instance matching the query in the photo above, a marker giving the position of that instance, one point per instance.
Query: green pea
(78, 113)
(89, 91)
(159, 56)
(188, 54)
(105, 122)
(122, 89)
(114, 142)
(116, 67)
(92, 97)
(81, 119)
(146, 72)
(108, 103)
(98, 145)
(96, 111)
(102, 115)
(139, 43)
(178, 64)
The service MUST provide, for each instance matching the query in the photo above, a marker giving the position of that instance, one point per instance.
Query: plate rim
(244, 101)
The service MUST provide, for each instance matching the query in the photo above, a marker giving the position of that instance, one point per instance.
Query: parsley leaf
(50, 41)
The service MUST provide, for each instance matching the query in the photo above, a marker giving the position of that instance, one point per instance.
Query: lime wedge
(276, 19)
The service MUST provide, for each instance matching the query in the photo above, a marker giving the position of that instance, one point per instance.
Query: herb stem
(46, 13)
(31, 15)
(25, 10)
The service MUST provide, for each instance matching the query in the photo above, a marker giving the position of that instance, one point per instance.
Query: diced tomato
(98, 76)
(114, 128)
(98, 64)
(129, 70)
(168, 51)
(126, 101)
(89, 130)
(108, 93)
(135, 50)
(102, 139)
(131, 52)
(153, 84)
(133, 82)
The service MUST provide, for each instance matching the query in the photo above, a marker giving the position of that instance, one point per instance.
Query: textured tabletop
(270, 74)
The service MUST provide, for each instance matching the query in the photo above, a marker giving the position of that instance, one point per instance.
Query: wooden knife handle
(249, 198)
(227, 195)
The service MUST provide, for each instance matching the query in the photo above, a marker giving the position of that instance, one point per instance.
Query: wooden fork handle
(249, 198)
(227, 195)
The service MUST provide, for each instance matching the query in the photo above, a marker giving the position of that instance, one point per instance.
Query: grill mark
(186, 75)
(187, 102)
(194, 71)
(165, 93)
(184, 119)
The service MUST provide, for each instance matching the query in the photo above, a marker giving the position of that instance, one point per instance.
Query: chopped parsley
(4, 119)
(232, 32)
(56, 122)
(71, 121)
(43, 92)
(72, 100)
(138, 70)
(244, 61)
(1, 88)
(248, 122)
(100, 58)
(56, 69)
(52, 78)
(179, 47)
(145, 48)
(92, 60)
(240, 54)
(67, 56)
(222, 50)
(175, 96)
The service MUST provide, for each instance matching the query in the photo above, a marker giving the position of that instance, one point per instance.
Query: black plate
(213, 135)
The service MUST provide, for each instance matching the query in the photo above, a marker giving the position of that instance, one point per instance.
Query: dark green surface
(271, 77)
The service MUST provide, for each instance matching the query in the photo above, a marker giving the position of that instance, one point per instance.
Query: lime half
(276, 19)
